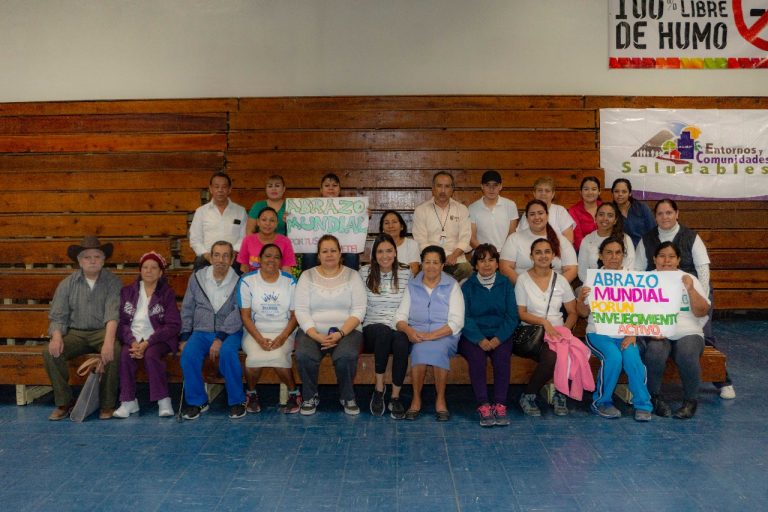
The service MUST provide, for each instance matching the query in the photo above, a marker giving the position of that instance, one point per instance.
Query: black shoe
(192, 412)
(660, 407)
(396, 409)
(687, 410)
(237, 411)
(377, 403)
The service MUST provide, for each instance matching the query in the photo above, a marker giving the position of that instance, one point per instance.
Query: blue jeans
(613, 359)
(192, 359)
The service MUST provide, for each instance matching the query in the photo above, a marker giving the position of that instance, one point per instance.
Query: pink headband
(152, 255)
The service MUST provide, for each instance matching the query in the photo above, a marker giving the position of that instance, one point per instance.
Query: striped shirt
(382, 306)
(76, 306)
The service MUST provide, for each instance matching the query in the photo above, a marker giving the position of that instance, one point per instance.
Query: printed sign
(624, 303)
(688, 34)
(704, 154)
(309, 218)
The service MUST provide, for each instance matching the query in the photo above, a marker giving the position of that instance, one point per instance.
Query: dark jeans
(381, 340)
(544, 371)
(685, 352)
(344, 356)
(476, 360)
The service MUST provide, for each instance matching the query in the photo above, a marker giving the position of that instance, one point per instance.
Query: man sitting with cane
(83, 319)
(211, 326)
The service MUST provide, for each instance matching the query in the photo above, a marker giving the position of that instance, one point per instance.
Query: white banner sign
(711, 154)
(688, 34)
(624, 303)
(309, 218)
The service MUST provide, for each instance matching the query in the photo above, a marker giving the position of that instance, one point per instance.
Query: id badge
(442, 241)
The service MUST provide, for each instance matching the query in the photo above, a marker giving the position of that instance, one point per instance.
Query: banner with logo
(704, 154)
(688, 34)
(624, 303)
(309, 218)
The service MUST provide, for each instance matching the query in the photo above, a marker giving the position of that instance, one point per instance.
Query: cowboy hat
(89, 242)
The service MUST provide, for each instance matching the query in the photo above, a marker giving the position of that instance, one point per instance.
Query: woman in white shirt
(385, 282)
(540, 293)
(610, 223)
(330, 305)
(432, 316)
(266, 300)
(516, 253)
(392, 224)
(687, 344)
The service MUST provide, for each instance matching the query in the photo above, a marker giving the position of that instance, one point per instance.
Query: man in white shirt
(219, 219)
(443, 221)
(493, 217)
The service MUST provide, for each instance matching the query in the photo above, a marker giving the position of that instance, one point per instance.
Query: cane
(181, 404)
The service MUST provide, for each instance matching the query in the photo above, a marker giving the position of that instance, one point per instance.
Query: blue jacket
(639, 221)
(489, 313)
(197, 312)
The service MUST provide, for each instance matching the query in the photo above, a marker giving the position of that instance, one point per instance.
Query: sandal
(412, 414)
(442, 415)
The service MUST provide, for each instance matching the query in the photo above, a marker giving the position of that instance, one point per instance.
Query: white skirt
(257, 357)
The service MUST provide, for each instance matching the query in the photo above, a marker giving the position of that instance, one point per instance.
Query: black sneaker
(252, 403)
(396, 409)
(192, 412)
(293, 404)
(237, 411)
(377, 403)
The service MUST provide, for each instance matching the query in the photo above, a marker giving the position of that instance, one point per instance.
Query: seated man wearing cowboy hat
(83, 319)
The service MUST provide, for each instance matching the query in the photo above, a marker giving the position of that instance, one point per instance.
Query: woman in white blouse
(266, 299)
(330, 305)
(533, 291)
(385, 282)
(392, 224)
(515, 255)
(432, 316)
(610, 223)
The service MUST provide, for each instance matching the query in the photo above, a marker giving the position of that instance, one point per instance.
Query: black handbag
(528, 339)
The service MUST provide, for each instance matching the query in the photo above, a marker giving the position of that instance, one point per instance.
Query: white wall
(110, 49)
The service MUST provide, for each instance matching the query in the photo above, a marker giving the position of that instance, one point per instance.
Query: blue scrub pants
(613, 359)
(192, 358)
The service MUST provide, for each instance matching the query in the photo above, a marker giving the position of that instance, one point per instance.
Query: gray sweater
(197, 313)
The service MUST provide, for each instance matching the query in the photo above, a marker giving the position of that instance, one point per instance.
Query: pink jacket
(572, 364)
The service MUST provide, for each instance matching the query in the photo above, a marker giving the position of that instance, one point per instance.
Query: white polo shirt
(492, 224)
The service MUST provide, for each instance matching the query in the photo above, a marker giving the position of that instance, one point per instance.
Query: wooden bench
(23, 365)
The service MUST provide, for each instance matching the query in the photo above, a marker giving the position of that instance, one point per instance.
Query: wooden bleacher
(132, 172)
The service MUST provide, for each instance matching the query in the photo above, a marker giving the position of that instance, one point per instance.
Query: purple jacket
(163, 314)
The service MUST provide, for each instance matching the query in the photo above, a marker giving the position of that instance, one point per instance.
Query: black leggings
(544, 371)
(380, 340)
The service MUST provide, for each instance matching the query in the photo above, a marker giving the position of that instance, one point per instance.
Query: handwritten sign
(309, 218)
(625, 303)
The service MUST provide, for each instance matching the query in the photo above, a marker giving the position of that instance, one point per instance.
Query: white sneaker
(126, 409)
(165, 408)
(727, 392)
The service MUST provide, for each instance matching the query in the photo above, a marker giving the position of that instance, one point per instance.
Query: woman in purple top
(148, 329)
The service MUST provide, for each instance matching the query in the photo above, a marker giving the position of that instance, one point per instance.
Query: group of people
(420, 300)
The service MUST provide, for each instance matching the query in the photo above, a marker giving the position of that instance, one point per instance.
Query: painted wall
(110, 49)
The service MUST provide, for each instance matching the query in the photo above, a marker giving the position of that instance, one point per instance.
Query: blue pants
(192, 358)
(613, 359)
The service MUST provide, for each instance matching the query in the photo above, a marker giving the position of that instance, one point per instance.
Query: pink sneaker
(500, 414)
(486, 415)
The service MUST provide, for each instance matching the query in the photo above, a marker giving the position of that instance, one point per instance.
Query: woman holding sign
(516, 253)
(330, 304)
(615, 353)
(687, 344)
(541, 293)
(432, 316)
(330, 186)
